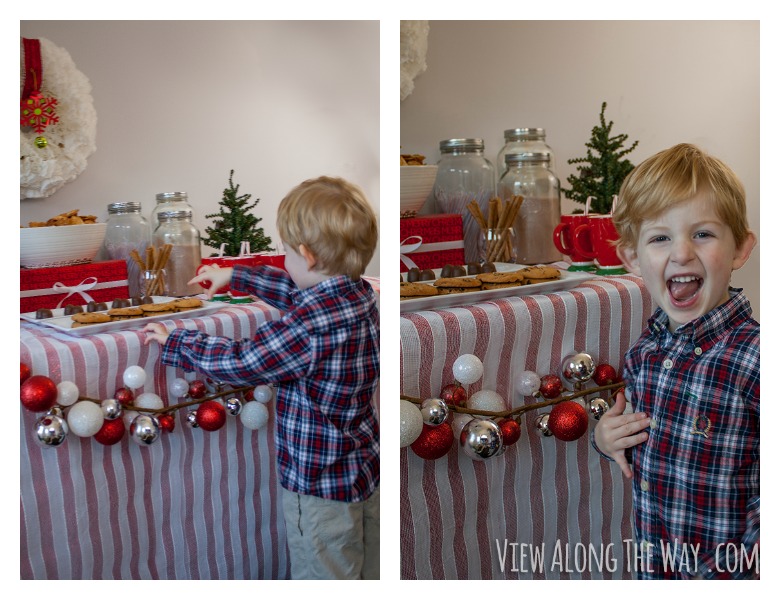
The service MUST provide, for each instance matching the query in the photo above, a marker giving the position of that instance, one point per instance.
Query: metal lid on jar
(167, 215)
(171, 197)
(526, 157)
(461, 145)
(120, 208)
(524, 133)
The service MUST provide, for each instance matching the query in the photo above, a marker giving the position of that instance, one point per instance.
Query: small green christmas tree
(234, 223)
(600, 176)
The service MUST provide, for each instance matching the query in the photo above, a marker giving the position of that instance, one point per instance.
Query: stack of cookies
(151, 309)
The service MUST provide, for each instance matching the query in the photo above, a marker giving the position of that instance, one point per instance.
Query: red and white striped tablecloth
(193, 505)
(543, 498)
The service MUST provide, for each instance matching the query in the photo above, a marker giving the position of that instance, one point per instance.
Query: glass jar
(167, 201)
(523, 139)
(464, 175)
(127, 230)
(176, 228)
(528, 174)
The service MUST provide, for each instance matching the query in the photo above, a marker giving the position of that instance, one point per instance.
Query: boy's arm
(268, 283)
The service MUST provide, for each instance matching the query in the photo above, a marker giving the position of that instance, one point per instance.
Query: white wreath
(71, 140)
(414, 47)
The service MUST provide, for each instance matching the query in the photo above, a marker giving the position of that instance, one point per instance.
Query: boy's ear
(743, 252)
(630, 259)
(308, 255)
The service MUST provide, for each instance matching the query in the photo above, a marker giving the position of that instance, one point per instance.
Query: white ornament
(134, 377)
(67, 393)
(43, 171)
(179, 387)
(467, 369)
(149, 401)
(263, 393)
(528, 383)
(85, 418)
(411, 423)
(487, 400)
(254, 415)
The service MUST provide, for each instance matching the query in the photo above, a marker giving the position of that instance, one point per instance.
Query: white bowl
(416, 185)
(58, 246)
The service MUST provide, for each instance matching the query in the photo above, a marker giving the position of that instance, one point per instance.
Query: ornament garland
(144, 416)
(481, 424)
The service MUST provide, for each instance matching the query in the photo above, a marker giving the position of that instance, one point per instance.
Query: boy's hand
(218, 276)
(158, 333)
(615, 432)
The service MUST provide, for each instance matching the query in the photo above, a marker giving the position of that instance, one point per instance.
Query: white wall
(665, 82)
(181, 103)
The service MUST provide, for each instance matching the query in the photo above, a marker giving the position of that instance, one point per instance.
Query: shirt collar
(709, 327)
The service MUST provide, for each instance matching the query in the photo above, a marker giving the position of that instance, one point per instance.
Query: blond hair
(674, 176)
(333, 219)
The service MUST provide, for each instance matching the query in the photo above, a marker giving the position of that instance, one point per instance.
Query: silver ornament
(192, 418)
(597, 407)
(144, 430)
(434, 411)
(541, 425)
(481, 439)
(233, 406)
(578, 368)
(51, 429)
(112, 408)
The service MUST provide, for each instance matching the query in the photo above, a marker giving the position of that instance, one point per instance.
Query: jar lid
(524, 133)
(522, 157)
(174, 214)
(117, 208)
(166, 196)
(461, 145)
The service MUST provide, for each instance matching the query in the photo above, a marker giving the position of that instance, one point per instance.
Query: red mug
(563, 238)
(596, 239)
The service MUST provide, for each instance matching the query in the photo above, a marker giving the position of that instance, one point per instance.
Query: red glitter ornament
(510, 431)
(568, 420)
(551, 386)
(38, 393)
(124, 396)
(24, 373)
(605, 375)
(197, 389)
(454, 393)
(433, 442)
(111, 432)
(167, 423)
(210, 415)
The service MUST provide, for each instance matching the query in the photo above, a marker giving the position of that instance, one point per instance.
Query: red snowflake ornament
(38, 112)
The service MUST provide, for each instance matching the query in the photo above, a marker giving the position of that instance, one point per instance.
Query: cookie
(163, 308)
(540, 274)
(417, 290)
(505, 278)
(121, 314)
(187, 303)
(87, 318)
(457, 285)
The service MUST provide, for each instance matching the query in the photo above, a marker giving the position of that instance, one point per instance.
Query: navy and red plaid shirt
(696, 479)
(324, 355)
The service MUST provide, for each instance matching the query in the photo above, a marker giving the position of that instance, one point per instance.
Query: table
(543, 498)
(193, 505)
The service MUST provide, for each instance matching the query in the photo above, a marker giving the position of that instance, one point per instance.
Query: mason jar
(528, 175)
(176, 228)
(127, 230)
(464, 176)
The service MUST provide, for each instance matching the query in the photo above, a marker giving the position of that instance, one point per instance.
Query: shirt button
(644, 485)
(697, 351)
(653, 424)
(668, 363)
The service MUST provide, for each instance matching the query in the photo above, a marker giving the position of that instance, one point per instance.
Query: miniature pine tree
(600, 175)
(235, 223)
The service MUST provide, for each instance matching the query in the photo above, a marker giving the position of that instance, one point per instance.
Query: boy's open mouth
(684, 288)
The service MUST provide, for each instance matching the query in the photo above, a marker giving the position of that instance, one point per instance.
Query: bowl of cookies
(417, 181)
(67, 239)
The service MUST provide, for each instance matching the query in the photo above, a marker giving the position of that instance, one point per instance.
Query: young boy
(693, 375)
(324, 355)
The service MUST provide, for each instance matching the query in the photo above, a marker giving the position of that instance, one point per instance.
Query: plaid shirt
(696, 479)
(324, 354)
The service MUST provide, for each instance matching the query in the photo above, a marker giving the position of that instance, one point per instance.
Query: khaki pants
(332, 540)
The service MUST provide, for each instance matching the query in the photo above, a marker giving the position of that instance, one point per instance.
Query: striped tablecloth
(543, 497)
(194, 505)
